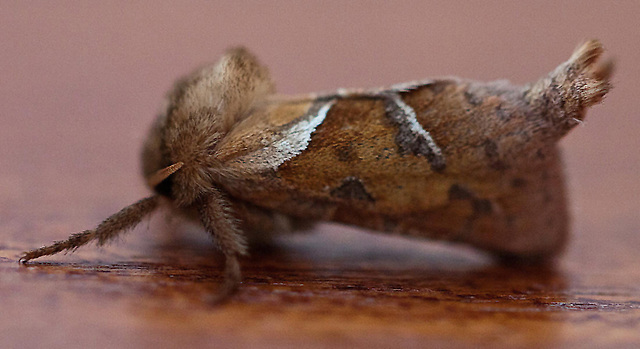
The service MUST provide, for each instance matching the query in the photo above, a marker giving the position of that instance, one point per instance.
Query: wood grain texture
(64, 73)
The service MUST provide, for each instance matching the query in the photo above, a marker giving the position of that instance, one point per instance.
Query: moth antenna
(217, 218)
(120, 222)
(163, 174)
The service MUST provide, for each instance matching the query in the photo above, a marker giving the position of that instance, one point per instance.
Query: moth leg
(124, 220)
(217, 218)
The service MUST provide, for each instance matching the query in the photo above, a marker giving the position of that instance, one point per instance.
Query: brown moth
(446, 159)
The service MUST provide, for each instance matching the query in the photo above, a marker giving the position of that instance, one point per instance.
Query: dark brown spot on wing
(518, 182)
(352, 188)
(345, 152)
(457, 192)
(491, 151)
(482, 206)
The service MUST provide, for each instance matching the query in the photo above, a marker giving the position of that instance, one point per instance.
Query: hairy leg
(218, 219)
(125, 219)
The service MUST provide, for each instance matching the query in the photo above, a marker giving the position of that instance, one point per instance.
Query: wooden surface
(81, 82)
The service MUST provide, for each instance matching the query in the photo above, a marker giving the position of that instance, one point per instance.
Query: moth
(447, 159)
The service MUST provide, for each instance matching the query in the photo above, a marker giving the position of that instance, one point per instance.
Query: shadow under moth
(448, 159)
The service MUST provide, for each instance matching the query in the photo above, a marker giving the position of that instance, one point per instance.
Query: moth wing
(271, 135)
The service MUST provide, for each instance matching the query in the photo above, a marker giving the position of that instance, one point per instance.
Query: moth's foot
(29, 255)
(231, 283)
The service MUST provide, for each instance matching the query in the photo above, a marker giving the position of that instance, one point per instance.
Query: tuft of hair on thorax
(202, 108)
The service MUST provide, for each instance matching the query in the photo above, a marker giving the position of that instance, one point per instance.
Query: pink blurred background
(80, 82)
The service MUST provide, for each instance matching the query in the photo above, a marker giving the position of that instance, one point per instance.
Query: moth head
(178, 157)
(156, 168)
